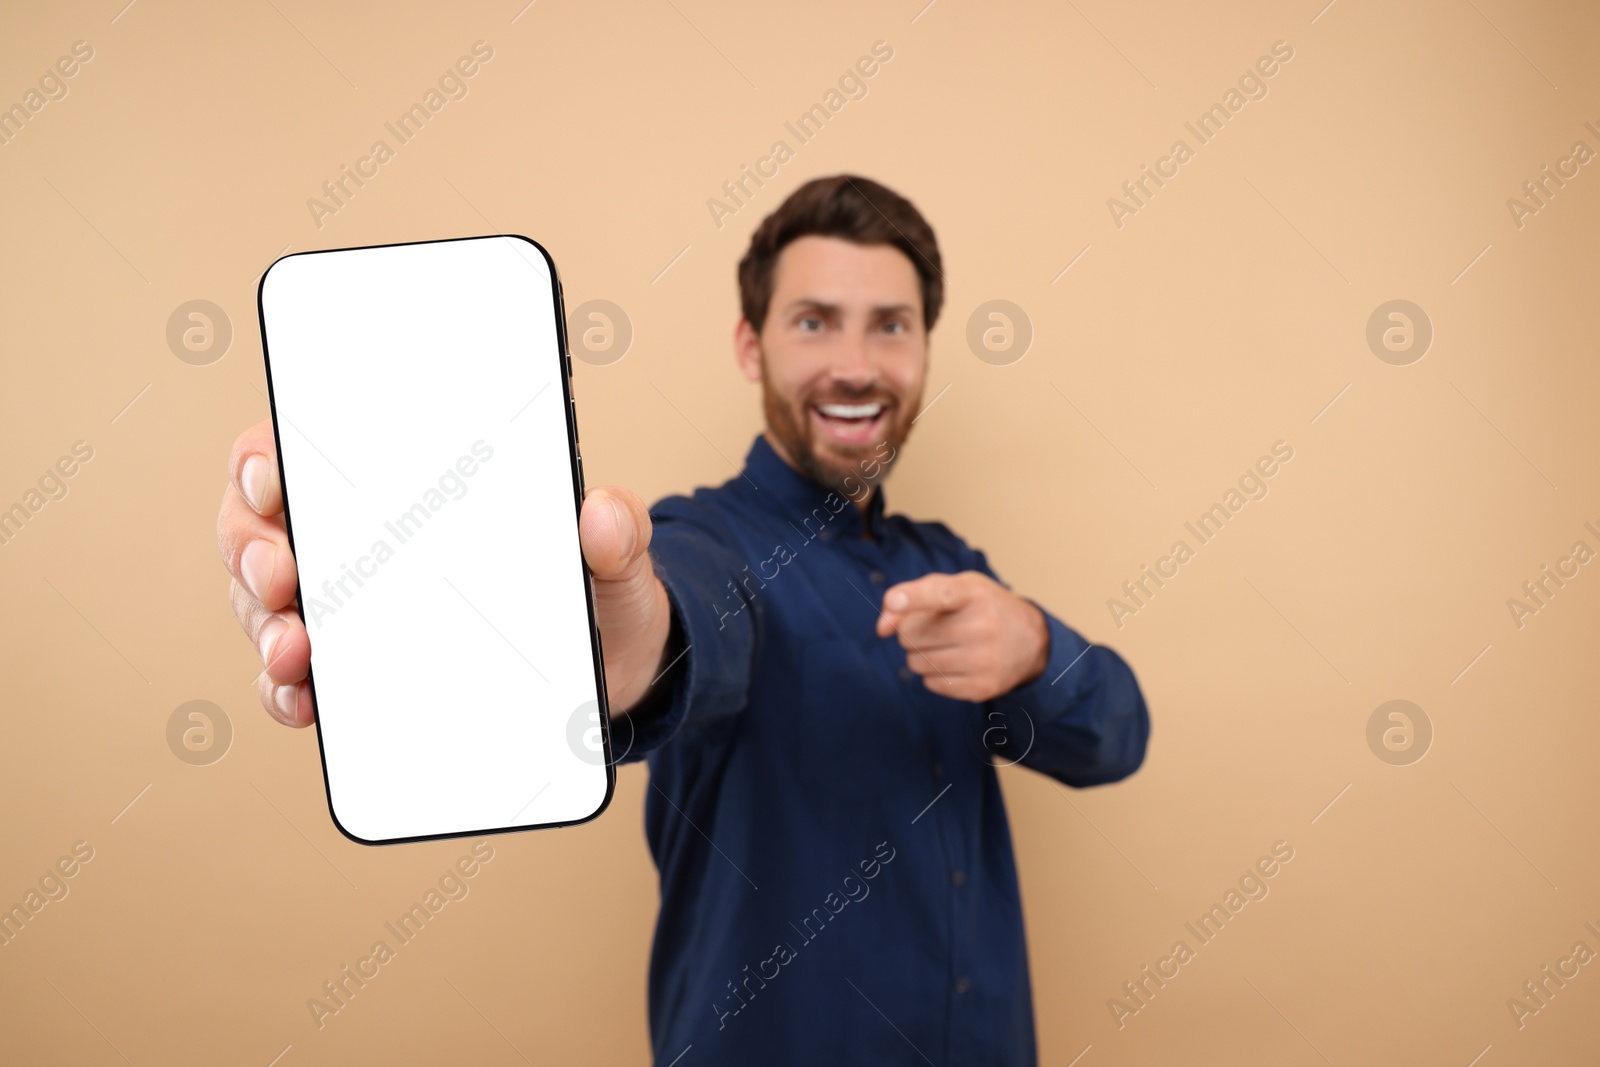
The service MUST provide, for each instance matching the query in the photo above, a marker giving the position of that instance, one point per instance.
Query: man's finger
(253, 469)
(256, 551)
(950, 684)
(280, 637)
(925, 631)
(289, 704)
(614, 532)
(944, 663)
(930, 593)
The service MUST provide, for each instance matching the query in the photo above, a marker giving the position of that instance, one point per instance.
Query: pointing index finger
(930, 593)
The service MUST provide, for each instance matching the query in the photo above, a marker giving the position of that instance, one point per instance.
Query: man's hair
(851, 207)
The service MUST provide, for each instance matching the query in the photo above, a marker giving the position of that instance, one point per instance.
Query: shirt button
(904, 673)
(824, 534)
(877, 577)
(963, 984)
(938, 769)
(957, 877)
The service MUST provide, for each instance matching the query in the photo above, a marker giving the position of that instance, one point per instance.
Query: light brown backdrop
(1228, 313)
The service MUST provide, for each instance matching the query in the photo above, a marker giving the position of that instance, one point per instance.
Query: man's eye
(895, 326)
(809, 322)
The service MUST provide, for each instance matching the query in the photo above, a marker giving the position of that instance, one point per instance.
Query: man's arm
(711, 645)
(1083, 720)
(1051, 700)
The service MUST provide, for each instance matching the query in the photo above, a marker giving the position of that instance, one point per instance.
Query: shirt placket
(943, 818)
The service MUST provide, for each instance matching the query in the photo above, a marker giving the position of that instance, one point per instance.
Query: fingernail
(267, 639)
(253, 480)
(256, 564)
(287, 699)
(895, 601)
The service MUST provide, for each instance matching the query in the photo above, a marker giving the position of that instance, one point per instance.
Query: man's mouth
(851, 424)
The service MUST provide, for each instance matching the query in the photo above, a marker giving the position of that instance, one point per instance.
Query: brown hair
(852, 207)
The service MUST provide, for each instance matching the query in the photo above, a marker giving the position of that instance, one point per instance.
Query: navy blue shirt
(837, 880)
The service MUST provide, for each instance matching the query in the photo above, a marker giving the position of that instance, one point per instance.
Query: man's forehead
(836, 272)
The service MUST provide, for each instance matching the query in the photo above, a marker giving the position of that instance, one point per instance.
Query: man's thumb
(614, 529)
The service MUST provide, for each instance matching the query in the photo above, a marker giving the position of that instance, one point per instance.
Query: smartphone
(427, 442)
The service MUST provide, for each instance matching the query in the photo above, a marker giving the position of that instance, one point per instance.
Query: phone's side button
(580, 477)
(569, 364)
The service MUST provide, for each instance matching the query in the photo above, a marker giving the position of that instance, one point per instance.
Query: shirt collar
(790, 494)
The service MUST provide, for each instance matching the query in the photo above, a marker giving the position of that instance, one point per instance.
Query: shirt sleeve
(1083, 721)
(716, 628)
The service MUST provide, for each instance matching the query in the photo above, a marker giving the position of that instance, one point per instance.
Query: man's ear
(747, 349)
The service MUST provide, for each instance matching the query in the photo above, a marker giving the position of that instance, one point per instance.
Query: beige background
(1224, 316)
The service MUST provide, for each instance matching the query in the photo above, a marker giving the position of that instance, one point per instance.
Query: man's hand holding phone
(614, 530)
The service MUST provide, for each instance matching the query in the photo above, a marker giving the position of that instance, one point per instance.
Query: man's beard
(792, 428)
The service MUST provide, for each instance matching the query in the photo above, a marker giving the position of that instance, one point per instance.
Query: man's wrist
(657, 696)
(1040, 628)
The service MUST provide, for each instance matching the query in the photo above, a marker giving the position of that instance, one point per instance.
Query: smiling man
(822, 689)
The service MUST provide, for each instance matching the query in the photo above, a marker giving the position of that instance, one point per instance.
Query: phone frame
(575, 461)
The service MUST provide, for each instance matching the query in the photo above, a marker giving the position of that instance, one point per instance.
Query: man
(822, 689)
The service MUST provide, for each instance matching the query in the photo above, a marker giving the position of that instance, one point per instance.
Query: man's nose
(853, 363)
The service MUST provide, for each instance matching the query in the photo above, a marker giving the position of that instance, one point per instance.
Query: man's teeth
(850, 411)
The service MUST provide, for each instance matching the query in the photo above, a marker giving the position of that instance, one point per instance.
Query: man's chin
(846, 468)
(842, 459)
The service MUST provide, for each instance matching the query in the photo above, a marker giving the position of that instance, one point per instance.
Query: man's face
(842, 357)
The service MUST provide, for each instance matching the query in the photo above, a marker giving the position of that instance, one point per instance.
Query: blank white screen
(422, 420)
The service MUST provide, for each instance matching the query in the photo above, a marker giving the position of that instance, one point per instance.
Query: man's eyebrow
(824, 306)
(809, 302)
